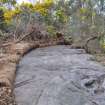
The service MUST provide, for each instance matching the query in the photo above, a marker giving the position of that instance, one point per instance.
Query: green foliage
(2, 19)
(51, 30)
(60, 15)
(12, 2)
(102, 42)
(79, 18)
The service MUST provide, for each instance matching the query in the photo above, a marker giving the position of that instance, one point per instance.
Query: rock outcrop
(59, 75)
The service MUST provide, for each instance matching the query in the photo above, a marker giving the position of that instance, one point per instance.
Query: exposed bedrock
(59, 75)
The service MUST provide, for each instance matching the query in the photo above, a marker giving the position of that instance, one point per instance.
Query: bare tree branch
(17, 41)
(88, 40)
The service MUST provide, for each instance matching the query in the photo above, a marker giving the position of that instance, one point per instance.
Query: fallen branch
(17, 41)
(6, 44)
(23, 37)
(88, 40)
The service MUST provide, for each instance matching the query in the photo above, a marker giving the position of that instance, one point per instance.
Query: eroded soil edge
(8, 64)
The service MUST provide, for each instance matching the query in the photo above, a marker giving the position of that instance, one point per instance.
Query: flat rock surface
(59, 75)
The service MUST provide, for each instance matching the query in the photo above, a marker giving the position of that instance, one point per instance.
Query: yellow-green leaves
(9, 14)
(83, 10)
(60, 15)
(93, 13)
(43, 8)
(12, 2)
(102, 42)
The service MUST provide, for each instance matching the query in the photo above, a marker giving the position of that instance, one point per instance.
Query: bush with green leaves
(2, 20)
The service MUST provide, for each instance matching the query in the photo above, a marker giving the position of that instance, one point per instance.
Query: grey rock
(59, 75)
